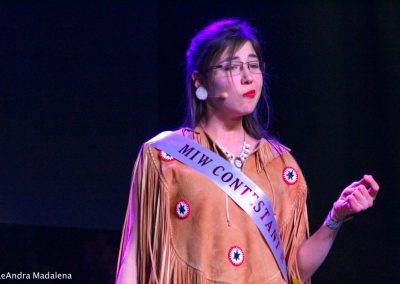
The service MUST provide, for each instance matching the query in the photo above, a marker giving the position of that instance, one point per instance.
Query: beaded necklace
(238, 160)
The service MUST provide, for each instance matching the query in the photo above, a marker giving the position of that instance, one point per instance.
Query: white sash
(232, 181)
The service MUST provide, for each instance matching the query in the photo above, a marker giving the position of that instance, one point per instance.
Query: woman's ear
(196, 79)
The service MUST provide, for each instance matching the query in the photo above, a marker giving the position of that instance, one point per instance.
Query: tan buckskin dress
(159, 246)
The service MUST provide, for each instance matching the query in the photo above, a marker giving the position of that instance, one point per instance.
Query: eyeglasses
(236, 67)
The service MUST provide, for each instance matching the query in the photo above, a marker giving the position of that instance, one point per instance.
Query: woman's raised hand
(357, 197)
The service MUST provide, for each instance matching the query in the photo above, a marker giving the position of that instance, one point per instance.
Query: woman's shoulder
(273, 146)
(271, 149)
(187, 132)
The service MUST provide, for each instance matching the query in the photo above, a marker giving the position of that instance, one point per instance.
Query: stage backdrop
(79, 96)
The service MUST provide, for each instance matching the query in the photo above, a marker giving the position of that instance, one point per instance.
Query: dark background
(83, 85)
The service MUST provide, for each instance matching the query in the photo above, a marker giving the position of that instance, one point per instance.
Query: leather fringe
(148, 214)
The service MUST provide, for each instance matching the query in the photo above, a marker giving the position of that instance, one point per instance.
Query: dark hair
(205, 47)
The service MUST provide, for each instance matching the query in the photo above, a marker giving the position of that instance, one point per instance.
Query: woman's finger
(362, 196)
(355, 206)
(371, 184)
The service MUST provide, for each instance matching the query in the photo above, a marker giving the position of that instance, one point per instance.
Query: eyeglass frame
(221, 66)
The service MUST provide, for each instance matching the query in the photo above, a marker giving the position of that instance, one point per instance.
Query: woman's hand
(357, 197)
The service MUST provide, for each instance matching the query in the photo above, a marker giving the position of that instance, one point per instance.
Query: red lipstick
(250, 94)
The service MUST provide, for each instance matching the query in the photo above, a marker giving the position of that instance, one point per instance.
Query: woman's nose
(247, 77)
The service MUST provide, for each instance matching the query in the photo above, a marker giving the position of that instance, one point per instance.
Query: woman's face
(233, 89)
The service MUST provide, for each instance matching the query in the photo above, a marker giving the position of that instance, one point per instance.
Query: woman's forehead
(242, 52)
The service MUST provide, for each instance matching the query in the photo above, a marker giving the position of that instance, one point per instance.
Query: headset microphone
(223, 96)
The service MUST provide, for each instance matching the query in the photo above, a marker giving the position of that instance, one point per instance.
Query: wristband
(331, 223)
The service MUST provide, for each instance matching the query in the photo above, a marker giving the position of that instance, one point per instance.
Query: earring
(201, 93)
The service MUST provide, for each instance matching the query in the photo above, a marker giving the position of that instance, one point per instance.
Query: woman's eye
(231, 67)
(254, 65)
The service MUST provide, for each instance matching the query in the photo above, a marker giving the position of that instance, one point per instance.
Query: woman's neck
(224, 130)
(229, 134)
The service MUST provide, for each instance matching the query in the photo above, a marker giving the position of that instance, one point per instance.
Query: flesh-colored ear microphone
(222, 96)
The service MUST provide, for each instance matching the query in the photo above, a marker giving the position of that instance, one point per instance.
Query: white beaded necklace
(239, 160)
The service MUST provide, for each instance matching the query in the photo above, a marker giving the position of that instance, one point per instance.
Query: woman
(183, 225)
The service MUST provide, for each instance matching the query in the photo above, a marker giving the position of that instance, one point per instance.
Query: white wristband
(331, 223)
